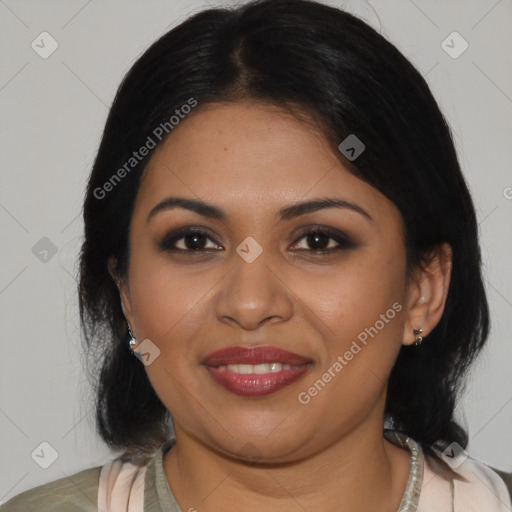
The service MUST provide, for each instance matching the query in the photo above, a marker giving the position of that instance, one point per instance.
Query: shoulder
(507, 478)
(463, 484)
(73, 493)
(491, 485)
(121, 485)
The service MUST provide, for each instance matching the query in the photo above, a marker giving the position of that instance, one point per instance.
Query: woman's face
(261, 281)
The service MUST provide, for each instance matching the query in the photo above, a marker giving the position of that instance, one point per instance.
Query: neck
(337, 478)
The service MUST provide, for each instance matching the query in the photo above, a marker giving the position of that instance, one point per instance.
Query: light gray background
(52, 114)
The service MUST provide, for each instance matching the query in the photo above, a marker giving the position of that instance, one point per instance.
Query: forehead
(244, 139)
(251, 154)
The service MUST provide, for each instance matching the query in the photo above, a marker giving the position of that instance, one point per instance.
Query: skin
(246, 453)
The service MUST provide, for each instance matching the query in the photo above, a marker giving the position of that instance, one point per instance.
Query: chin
(269, 445)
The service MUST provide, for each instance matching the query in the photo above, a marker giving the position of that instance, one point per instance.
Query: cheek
(170, 312)
(167, 300)
(352, 297)
(359, 310)
(361, 319)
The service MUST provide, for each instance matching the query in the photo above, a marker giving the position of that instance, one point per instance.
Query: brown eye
(326, 240)
(194, 240)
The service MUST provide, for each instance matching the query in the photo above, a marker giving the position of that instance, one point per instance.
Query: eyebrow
(289, 212)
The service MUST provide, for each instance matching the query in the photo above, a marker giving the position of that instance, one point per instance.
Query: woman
(281, 256)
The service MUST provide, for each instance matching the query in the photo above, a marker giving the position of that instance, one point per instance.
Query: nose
(253, 293)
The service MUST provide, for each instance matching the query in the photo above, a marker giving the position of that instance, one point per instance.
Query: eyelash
(167, 244)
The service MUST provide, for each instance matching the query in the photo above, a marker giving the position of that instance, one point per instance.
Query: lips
(255, 371)
(253, 355)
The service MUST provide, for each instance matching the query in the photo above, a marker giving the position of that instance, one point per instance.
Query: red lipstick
(255, 371)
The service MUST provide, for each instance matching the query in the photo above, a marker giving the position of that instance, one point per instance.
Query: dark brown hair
(290, 53)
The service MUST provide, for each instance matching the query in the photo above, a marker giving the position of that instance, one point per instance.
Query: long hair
(302, 56)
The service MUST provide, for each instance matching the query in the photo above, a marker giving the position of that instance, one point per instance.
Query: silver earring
(132, 341)
(418, 339)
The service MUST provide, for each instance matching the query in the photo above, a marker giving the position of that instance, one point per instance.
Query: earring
(132, 341)
(418, 339)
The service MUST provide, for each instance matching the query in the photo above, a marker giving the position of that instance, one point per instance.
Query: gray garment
(79, 492)
(158, 496)
(507, 478)
(76, 493)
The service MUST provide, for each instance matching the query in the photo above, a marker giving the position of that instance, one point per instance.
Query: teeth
(247, 369)
(244, 369)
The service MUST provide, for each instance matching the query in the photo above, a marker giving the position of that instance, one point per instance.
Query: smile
(247, 369)
(255, 371)
(253, 383)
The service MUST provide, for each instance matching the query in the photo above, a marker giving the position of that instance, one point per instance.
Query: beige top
(124, 487)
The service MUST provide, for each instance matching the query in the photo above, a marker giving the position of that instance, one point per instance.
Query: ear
(124, 293)
(426, 293)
